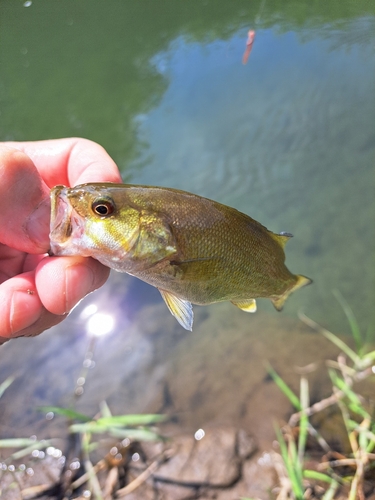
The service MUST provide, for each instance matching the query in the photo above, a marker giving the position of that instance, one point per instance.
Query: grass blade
(332, 338)
(16, 442)
(106, 424)
(91, 427)
(135, 434)
(65, 412)
(4, 386)
(355, 402)
(284, 388)
(92, 477)
(318, 476)
(104, 409)
(131, 420)
(352, 321)
(330, 493)
(37, 445)
(304, 421)
(289, 458)
(297, 477)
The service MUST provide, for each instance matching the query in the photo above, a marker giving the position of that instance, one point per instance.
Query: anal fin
(249, 306)
(181, 309)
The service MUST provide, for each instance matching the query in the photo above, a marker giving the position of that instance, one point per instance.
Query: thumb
(25, 205)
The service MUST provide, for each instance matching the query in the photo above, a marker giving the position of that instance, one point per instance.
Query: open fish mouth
(65, 225)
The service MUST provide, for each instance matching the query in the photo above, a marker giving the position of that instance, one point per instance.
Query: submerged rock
(212, 460)
(222, 464)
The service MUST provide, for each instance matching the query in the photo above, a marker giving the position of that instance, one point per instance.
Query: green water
(288, 138)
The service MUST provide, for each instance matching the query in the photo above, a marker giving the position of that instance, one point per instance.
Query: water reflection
(282, 139)
(199, 434)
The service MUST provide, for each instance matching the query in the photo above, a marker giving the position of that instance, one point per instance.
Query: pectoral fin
(181, 309)
(249, 306)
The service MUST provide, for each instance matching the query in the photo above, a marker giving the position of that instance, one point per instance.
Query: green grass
(90, 433)
(105, 429)
(358, 416)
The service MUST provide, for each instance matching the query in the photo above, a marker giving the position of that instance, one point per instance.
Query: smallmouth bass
(192, 249)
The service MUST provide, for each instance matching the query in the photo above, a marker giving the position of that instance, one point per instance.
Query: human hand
(38, 291)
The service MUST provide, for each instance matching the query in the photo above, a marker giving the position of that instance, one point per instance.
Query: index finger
(70, 161)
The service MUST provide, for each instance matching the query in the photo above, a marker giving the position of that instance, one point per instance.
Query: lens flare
(89, 311)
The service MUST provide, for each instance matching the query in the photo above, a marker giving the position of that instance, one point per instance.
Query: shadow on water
(288, 139)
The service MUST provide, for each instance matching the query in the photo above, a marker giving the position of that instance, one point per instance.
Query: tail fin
(279, 301)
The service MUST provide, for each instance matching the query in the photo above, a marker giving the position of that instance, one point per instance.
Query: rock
(144, 492)
(258, 477)
(175, 492)
(212, 460)
(223, 465)
(257, 480)
(246, 444)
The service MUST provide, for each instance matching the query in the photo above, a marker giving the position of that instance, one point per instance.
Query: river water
(288, 138)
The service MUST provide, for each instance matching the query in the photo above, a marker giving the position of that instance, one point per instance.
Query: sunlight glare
(100, 324)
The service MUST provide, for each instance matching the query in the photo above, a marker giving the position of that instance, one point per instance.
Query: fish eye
(103, 208)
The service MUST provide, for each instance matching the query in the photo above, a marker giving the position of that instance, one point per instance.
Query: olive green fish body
(221, 254)
(194, 250)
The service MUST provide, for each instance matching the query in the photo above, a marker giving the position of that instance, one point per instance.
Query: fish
(249, 46)
(192, 249)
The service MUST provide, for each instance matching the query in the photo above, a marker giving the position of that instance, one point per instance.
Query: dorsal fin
(281, 238)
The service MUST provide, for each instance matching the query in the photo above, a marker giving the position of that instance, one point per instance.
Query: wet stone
(175, 492)
(223, 465)
(246, 444)
(145, 492)
(257, 480)
(212, 460)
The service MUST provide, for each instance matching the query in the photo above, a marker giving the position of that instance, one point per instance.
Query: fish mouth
(64, 223)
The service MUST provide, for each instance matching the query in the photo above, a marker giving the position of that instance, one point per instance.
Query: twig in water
(144, 475)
